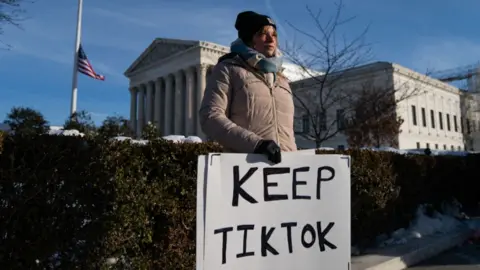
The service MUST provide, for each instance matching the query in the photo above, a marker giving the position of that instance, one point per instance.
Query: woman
(248, 105)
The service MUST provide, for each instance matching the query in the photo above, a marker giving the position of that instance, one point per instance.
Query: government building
(168, 79)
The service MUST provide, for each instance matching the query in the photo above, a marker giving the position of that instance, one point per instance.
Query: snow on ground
(422, 151)
(68, 132)
(428, 222)
(423, 225)
(413, 151)
(172, 138)
(195, 139)
(58, 130)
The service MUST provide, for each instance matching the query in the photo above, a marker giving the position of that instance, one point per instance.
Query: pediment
(160, 49)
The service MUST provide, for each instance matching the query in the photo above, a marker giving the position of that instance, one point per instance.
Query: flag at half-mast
(85, 67)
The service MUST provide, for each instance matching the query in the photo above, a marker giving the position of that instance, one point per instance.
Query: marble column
(133, 108)
(149, 102)
(189, 102)
(168, 117)
(179, 110)
(158, 104)
(141, 110)
(201, 84)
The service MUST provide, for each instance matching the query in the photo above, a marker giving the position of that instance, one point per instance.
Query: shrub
(26, 122)
(73, 203)
(81, 121)
(114, 126)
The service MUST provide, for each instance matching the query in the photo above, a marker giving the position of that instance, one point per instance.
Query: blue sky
(37, 71)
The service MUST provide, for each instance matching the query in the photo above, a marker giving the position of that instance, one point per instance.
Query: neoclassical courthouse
(168, 79)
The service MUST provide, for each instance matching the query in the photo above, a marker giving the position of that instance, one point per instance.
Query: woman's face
(265, 41)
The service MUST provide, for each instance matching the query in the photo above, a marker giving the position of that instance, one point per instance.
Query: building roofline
(396, 68)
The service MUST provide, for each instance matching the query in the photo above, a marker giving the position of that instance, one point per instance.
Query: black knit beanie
(248, 23)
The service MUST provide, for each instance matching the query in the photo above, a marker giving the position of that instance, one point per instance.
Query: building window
(436, 146)
(341, 119)
(440, 120)
(418, 145)
(448, 122)
(455, 124)
(459, 148)
(452, 148)
(298, 125)
(461, 124)
(322, 121)
(414, 115)
(305, 124)
(444, 147)
(424, 118)
(432, 118)
(428, 145)
(469, 130)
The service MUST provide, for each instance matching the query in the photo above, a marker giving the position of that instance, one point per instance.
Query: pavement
(466, 257)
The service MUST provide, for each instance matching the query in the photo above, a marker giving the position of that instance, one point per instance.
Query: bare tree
(327, 101)
(11, 13)
(375, 121)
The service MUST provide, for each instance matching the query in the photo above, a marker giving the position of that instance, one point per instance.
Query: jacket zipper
(275, 116)
(255, 73)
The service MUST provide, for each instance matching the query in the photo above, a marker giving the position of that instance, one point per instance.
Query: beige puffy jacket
(241, 106)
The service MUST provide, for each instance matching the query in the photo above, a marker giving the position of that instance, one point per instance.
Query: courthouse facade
(167, 82)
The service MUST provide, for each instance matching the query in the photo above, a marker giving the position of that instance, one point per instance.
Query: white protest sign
(293, 215)
(202, 175)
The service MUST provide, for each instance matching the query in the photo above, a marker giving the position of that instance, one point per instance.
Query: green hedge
(140, 201)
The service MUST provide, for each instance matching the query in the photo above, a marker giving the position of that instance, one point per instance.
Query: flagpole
(73, 103)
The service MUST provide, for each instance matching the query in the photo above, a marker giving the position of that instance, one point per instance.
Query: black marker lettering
(322, 241)
(265, 246)
(311, 230)
(320, 179)
(237, 186)
(271, 171)
(296, 183)
(289, 226)
(224, 232)
(245, 229)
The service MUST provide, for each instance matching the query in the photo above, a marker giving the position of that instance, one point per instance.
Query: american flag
(85, 67)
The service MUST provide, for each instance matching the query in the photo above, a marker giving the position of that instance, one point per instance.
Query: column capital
(202, 66)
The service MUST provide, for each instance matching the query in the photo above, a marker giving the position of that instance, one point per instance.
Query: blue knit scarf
(256, 59)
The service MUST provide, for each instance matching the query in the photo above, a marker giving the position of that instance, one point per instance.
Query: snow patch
(65, 132)
(413, 151)
(172, 138)
(427, 222)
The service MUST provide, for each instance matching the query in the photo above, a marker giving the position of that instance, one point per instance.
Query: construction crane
(471, 73)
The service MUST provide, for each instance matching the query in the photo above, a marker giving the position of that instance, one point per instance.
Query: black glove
(270, 149)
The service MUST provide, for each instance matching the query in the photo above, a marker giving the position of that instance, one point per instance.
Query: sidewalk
(466, 257)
